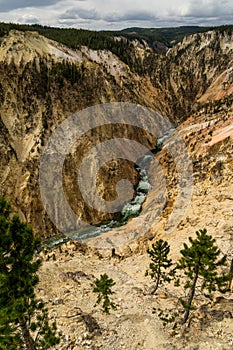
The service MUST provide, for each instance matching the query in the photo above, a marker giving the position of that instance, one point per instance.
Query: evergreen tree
(103, 288)
(200, 263)
(23, 319)
(160, 264)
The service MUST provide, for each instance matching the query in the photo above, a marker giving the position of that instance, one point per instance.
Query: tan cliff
(36, 98)
(193, 86)
(200, 63)
(68, 273)
(43, 82)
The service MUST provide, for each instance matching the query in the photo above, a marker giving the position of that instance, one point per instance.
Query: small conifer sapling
(103, 288)
(160, 266)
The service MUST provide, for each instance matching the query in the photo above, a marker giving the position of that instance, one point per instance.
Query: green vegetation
(118, 42)
(105, 39)
(200, 264)
(74, 38)
(24, 320)
(201, 274)
(103, 288)
(160, 264)
(167, 36)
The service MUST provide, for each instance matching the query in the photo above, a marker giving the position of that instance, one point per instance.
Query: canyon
(43, 83)
(38, 92)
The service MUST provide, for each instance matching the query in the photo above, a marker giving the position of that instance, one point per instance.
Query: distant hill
(74, 38)
(167, 36)
(157, 39)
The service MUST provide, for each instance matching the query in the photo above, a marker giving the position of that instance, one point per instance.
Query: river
(129, 210)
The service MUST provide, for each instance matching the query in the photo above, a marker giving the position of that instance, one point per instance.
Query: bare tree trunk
(190, 299)
(231, 274)
(28, 341)
(155, 287)
(157, 281)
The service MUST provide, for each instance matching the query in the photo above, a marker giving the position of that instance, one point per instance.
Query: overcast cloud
(117, 14)
(8, 5)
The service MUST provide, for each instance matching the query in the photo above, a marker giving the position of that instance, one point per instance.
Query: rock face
(43, 82)
(201, 63)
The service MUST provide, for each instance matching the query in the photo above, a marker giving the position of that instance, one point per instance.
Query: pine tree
(23, 319)
(103, 288)
(200, 263)
(160, 264)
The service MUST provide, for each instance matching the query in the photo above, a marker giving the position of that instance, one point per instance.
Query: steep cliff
(191, 69)
(43, 82)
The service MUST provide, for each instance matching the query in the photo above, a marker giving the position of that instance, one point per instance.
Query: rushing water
(129, 210)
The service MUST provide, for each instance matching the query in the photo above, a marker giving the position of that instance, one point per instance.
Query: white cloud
(8, 5)
(76, 13)
(117, 14)
(209, 8)
(29, 19)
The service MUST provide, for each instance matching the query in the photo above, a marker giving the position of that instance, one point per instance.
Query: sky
(117, 14)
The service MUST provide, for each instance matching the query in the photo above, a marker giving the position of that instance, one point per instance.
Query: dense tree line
(74, 38)
(104, 39)
(118, 42)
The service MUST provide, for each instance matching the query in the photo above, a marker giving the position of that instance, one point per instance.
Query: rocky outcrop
(135, 323)
(196, 70)
(43, 82)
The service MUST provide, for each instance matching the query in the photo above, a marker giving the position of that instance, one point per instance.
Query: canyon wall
(43, 82)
